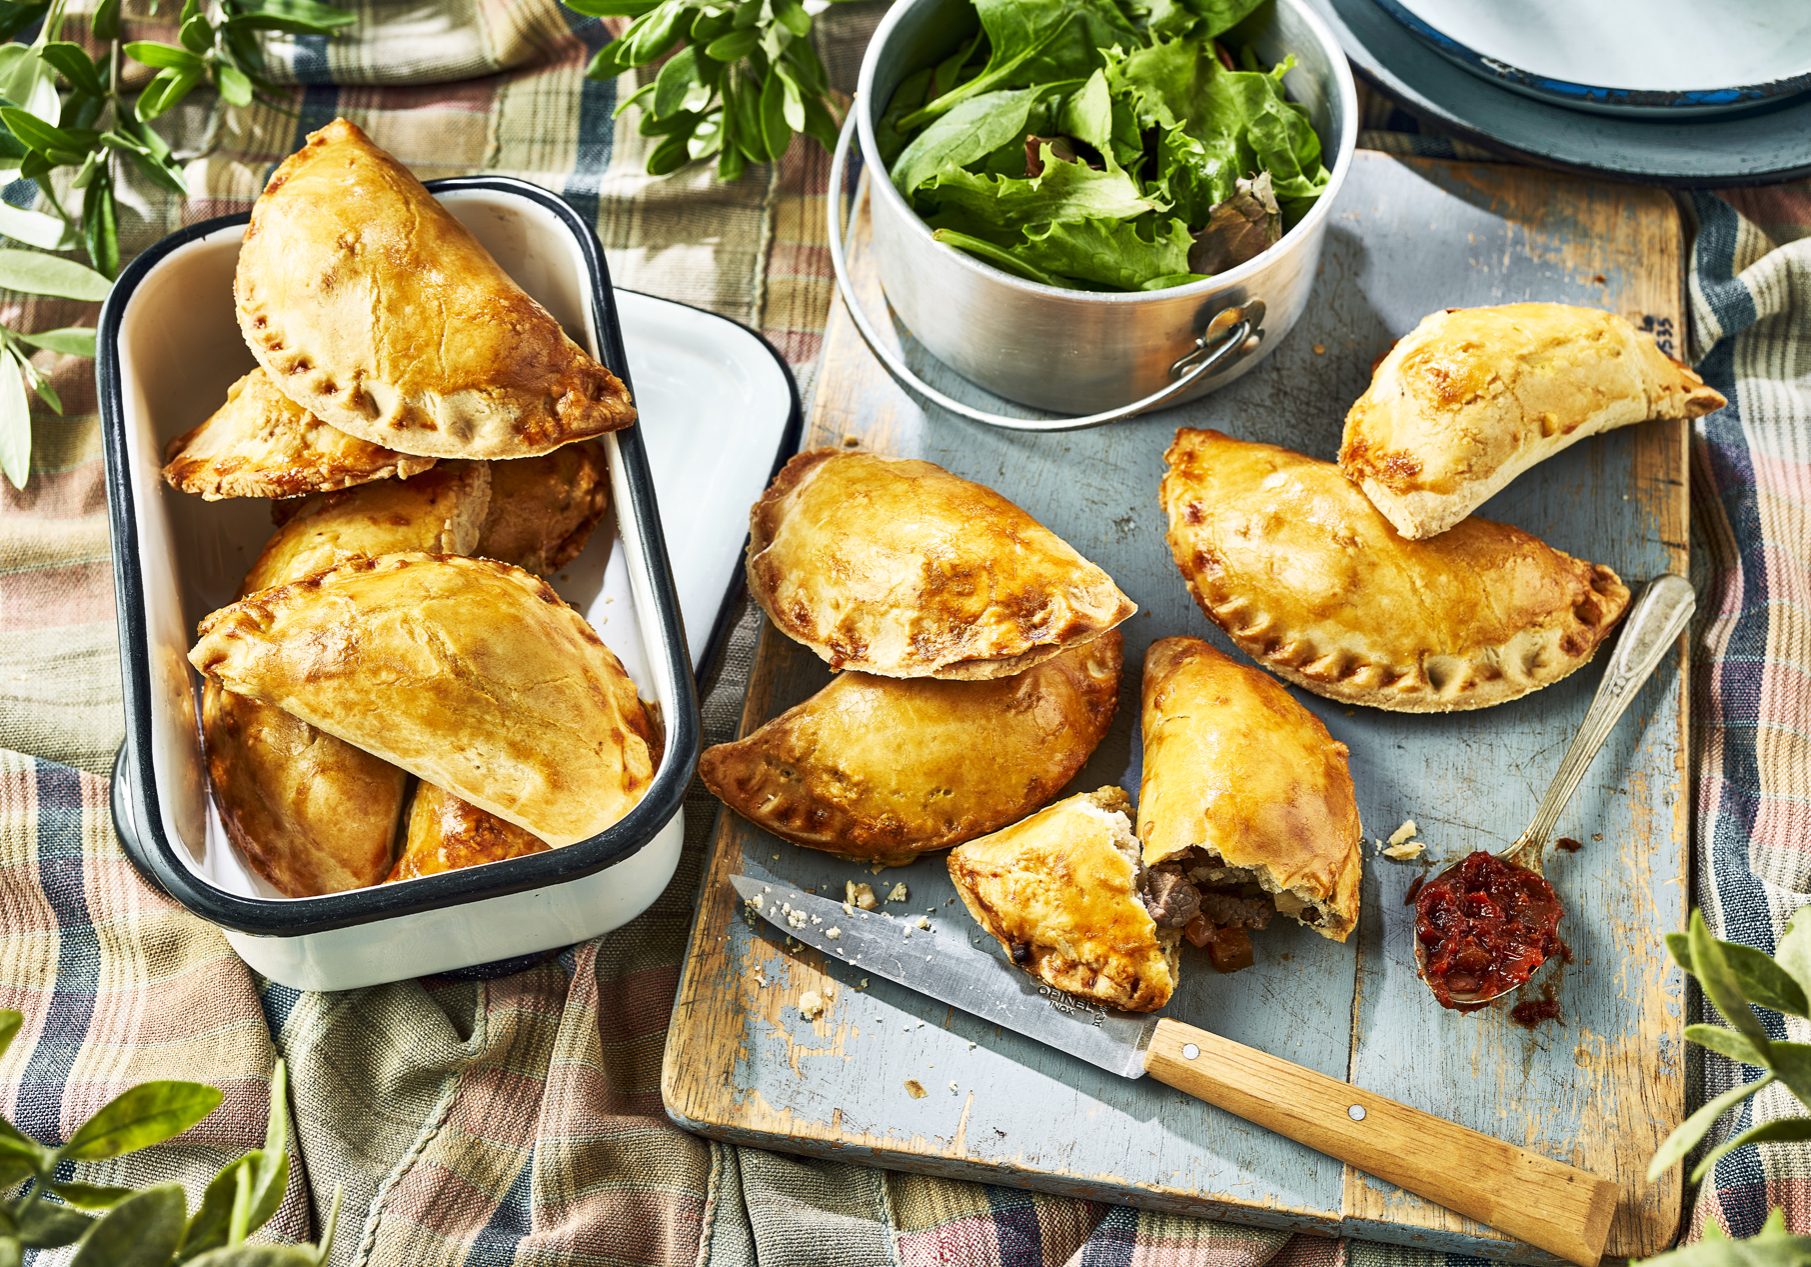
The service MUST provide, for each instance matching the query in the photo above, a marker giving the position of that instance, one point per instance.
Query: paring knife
(1546, 1203)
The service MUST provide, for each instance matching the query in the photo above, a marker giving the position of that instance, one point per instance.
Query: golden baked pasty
(440, 511)
(470, 674)
(882, 770)
(542, 510)
(262, 444)
(1310, 580)
(446, 833)
(1245, 804)
(897, 567)
(373, 308)
(1472, 397)
(309, 813)
(1060, 891)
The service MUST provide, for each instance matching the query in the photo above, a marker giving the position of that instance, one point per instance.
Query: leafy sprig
(70, 122)
(1736, 979)
(149, 1227)
(741, 81)
(1773, 1246)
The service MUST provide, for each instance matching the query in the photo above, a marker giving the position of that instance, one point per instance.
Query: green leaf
(1772, 1246)
(734, 46)
(330, 1228)
(1119, 254)
(1791, 1064)
(1786, 1130)
(1726, 1042)
(677, 88)
(46, 138)
(68, 340)
(47, 1226)
(163, 56)
(317, 15)
(1032, 42)
(1793, 953)
(235, 85)
(33, 273)
(611, 8)
(142, 1231)
(670, 155)
(166, 89)
(195, 33)
(1687, 1134)
(208, 1228)
(731, 162)
(968, 133)
(29, 82)
(791, 15)
(35, 228)
(651, 34)
(90, 1196)
(144, 1115)
(1763, 980)
(100, 226)
(74, 64)
(15, 423)
(1720, 984)
(14, 1167)
(1063, 191)
(775, 135)
(105, 25)
(998, 256)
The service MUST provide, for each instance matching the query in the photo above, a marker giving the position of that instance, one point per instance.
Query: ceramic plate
(1652, 57)
(719, 414)
(1747, 147)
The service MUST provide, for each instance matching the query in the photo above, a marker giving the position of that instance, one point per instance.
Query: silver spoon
(1655, 620)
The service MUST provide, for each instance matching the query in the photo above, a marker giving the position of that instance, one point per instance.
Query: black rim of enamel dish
(144, 838)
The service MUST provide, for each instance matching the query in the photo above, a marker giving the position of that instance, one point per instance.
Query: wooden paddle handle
(1546, 1203)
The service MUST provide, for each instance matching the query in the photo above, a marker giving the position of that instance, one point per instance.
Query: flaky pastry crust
(543, 510)
(373, 308)
(899, 568)
(262, 444)
(1060, 891)
(1310, 580)
(445, 833)
(1472, 397)
(1239, 775)
(884, 769)
(470, 674)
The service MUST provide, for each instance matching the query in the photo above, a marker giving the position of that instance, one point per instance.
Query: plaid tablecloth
(518, 1121)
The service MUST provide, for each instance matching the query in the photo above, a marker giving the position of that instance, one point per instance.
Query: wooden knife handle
(1546, 1203)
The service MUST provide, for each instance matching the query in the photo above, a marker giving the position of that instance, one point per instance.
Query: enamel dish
(167, 352)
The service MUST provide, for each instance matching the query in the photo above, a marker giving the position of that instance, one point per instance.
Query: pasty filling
(1216, 906)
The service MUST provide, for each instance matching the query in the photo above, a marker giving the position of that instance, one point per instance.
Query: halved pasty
(446, 833)
(373, 308)
(470, 674)
(1061, 892)
(310, 813)
(542, 510)
(883, 770)
(1472, 397)
(1310, 580)
(262, 444)
(441, 511)
(899, 568)
(1246, 804)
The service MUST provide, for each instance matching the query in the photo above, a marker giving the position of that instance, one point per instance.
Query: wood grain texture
(1547, 1203)
(1597, 1090)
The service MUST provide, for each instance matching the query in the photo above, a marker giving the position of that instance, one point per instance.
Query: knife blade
(1547, 1203)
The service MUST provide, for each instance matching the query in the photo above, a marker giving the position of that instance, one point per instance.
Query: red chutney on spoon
(1482, 928)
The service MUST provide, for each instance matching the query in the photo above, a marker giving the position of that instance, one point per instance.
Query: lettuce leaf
(1063, 191)
(967, 134)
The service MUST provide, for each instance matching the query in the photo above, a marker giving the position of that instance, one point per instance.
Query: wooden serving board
(1599, 1089)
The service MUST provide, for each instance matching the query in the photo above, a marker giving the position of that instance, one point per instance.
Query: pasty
(262, 444)
(1061, 892)
(1246, 804)
(897, 567)
(309, 813)
(373, 308)
(1310, 580)
(470, 674)
(542, 510)
(882, 770)
(1472, 397)
(446, 833)
(440, 511)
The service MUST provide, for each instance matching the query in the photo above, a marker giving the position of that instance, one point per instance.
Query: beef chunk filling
(1172, 900)
(1214, 918)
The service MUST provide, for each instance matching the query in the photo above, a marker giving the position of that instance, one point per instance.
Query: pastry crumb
(812, 1005)
(954, 1089)
(1408, 831)
(794, 919)
(1405, 852)
(1320, 349)
(760, 977)
(859, 893)
(848, 909)
(776, 857)
(862, 984)
(924, 921)
(754, 903)
(851, 440)
(899, 892)
(833, 933)
(914, 1088)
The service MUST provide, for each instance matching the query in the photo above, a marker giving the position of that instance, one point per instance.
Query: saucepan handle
(1546, 1203)
(1222, 338)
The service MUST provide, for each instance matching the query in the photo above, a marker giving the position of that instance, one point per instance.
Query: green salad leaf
(1102, 145)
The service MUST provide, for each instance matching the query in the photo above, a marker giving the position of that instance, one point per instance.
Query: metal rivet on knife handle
(1546, 1203)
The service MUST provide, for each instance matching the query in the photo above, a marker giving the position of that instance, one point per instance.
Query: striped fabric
(518, 1121)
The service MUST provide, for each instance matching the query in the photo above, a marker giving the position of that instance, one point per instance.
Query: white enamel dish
(169, 347)
(1660, 58)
